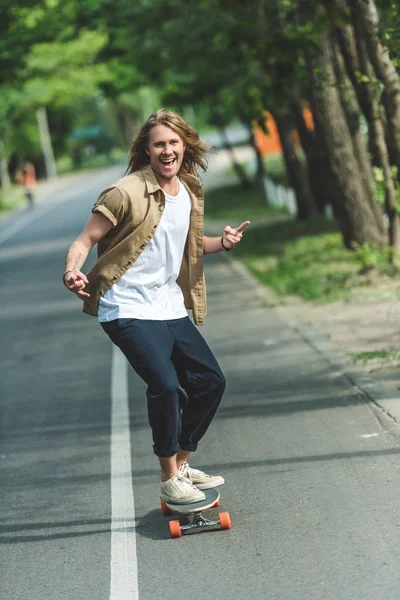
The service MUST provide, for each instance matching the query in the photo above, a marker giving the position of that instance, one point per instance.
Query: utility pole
(45, 141)
(5, 177)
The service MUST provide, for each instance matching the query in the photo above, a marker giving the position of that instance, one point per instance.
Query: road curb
(383, 396)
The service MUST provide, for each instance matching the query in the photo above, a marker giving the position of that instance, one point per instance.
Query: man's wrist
(225, 247)
(64, 274)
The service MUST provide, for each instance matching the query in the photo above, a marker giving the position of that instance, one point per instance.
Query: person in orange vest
(27, 178)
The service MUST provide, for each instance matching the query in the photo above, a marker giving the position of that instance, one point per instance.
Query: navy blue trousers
(184, 382)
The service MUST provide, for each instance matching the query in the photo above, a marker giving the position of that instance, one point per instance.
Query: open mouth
(168, 163)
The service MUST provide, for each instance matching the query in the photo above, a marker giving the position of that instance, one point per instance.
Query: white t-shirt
(148, 290)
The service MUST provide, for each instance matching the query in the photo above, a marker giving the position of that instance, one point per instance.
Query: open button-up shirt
(134, 205)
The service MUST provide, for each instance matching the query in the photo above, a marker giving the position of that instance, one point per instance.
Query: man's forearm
(76, 256)
(212, 244)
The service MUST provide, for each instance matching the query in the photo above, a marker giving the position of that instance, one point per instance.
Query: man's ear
(147, 151)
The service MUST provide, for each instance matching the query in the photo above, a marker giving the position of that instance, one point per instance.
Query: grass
(13, 201)
(303, 259)
(300, 259)
(96, 161)
(384, 355)
(236, 204)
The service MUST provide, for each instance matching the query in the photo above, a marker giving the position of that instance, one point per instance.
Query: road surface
(311, 469)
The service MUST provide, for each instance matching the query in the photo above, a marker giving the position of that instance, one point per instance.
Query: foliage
(232, 203)
(366, 257)
(308, 259)
(381, 185)
(376, 355)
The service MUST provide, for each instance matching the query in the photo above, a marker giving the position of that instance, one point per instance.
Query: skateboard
(195, 510)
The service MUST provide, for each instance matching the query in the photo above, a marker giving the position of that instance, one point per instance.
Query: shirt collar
(150, 179)
(153, 185)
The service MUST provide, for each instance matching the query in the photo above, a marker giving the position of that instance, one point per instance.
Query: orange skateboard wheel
(164, 509)
(175, 529)
(225, 520)
(218, 503)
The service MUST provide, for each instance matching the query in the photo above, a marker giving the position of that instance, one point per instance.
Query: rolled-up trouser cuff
(166, 453)
(189, 447)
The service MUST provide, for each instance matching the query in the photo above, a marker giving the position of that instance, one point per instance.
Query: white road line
(124, 571)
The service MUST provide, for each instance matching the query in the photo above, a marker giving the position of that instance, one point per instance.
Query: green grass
(235, 203)
(364, 357)
(13, 201)
(300, 259)
(308, 260)
(97, 161)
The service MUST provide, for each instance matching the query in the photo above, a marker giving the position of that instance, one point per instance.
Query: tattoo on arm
(75, 259)
(76, 262)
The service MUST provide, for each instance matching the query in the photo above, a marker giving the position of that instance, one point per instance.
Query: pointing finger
(242, 226)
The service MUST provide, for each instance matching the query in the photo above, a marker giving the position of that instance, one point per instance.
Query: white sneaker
(179, 490)
(201, 480)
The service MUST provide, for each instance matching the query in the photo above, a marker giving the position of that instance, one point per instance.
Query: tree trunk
(260, 171)
(45, 140)
(319, 173)
(244, 180)
(384, 70)
(357, 220)
(353, 116)
(295, 169)
(377, 135)
(357, 63)
(5, 177)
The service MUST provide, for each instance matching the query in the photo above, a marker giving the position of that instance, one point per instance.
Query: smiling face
(166, 150)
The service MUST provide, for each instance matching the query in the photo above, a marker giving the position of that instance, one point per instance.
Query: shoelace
(182, 483)
(196, 472)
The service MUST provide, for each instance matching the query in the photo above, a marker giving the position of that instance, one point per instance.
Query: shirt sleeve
(111, 203)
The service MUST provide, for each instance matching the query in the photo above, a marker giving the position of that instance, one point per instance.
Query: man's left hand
(231, 236)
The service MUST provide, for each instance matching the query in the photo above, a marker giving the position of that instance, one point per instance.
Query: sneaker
(179, 490)
(201, 480)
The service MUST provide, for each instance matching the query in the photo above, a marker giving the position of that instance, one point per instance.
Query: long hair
(195, 152)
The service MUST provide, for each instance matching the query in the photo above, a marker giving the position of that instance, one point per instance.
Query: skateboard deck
(194, 510)
(212, 496)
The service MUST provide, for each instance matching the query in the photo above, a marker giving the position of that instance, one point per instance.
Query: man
(149, 231)
(27, 178)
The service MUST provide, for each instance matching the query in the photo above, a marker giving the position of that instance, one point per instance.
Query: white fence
(280, 196)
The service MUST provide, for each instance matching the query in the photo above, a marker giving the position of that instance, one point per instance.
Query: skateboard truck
(195, 511)
(199, 522)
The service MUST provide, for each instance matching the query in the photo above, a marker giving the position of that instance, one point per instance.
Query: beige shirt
(134, 205)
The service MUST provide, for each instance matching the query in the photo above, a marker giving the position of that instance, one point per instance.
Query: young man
(149, 231)
(27, 178)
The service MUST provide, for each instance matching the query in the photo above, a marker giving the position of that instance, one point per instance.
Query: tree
(355, 216)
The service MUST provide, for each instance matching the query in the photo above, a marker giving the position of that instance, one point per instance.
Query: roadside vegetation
(74, 87)
(302, 259)
(376, 356)
(233, 203)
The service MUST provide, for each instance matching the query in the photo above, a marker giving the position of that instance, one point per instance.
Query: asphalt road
(311, 468)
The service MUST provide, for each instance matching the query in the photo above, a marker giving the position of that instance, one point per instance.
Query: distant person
(149, 230)
(27, 178)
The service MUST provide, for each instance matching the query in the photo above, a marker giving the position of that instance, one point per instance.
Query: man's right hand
(76, 282)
